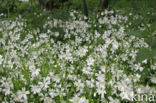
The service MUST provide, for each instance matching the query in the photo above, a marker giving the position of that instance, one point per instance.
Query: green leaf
(137, 33)
(145, 53)
(46, 1)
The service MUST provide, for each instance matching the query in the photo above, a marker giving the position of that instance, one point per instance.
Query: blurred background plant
(8, 6)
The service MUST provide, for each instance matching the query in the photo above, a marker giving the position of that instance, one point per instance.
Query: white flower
(77, 99)
(71, 14)
(101, 21)
(71, 77)
(122, 29)
(45, 83)
(56, 34)
(100, 77)
(52, 93)
(124, 57)
(31, 66)
(153, 67)
(103, 69)
(115, 45)
(1, 59)
(17, 97)
(79, 85)
(48, 100)
(140, 90)
(108, 42)
(35, 72)
(45, 99)
(121, 86)
(35, 89)
(43, 35)
(137, 77)
(101, 91)
(101, 85)
(56, 78)
(83, 100)
(90, 83)
(82, 51)
(144, 61)
(7, 90)
(127, 94)
(138, 67)
(86, 70)
(24, 0)
(90, 61)
(113, 100)
(153, 79)
(106, 12)
(23, 94)
(133, 54)
(124, 95)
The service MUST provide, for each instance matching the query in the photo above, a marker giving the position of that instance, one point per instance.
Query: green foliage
(135, 4)
(8, 5)
(145, 53)
(46, 1)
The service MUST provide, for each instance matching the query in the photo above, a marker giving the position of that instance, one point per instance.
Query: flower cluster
(94, 61)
